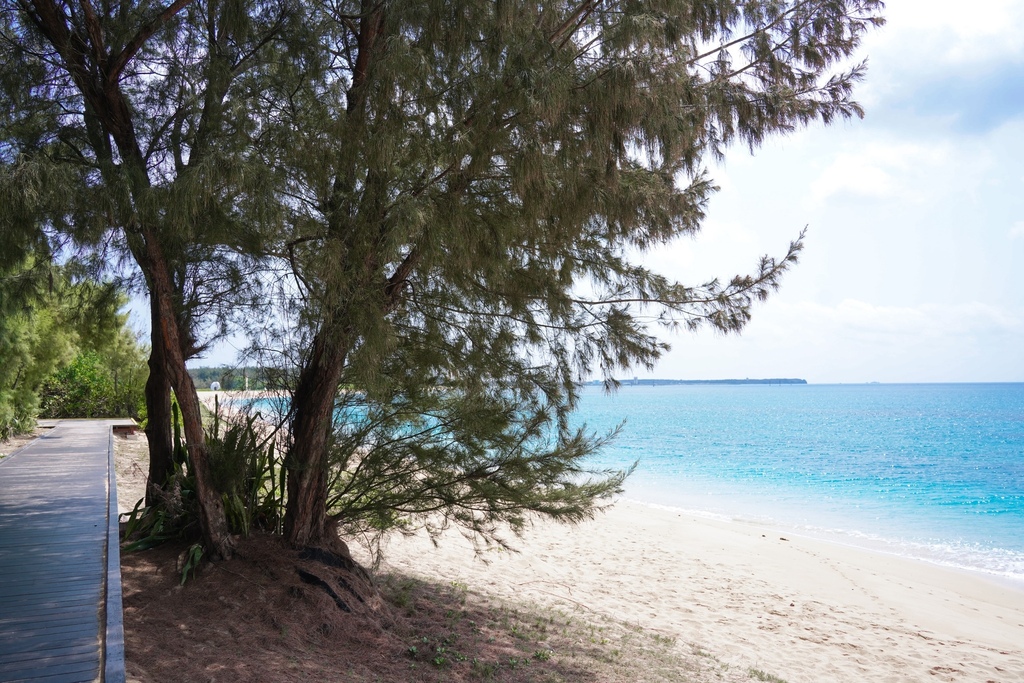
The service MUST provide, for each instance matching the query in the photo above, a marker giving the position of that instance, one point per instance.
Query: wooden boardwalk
(60, 576)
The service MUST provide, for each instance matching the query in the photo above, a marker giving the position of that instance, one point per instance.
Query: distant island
(635, 382)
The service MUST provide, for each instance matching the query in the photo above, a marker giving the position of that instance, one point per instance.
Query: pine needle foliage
(478, 461)
(50, 321)
(470, 189)
(497, 160)
(172, 164)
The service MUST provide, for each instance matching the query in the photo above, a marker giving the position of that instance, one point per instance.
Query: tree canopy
(449, 199)
(469, 191)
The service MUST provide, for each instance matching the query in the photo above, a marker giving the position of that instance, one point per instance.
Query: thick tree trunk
(216, 536)
(158, 412)
(305, 519)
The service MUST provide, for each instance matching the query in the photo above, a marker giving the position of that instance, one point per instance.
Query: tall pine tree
(471, 187)
(463, 190)
(120, 128)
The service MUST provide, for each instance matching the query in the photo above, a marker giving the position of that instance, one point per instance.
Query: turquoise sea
(929, 471)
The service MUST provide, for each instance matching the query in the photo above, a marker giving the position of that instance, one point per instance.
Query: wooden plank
(51, 644)
(68, 650)
(52, 638)
(53, 610)
(82, 677)
(13, 626)
(61, 552)
(58, 591)
(30, 535)
(46, 539)
(17, 607)
(58, 525)
(56, 574)
(40, 639)
(74, 668)
(66, 565)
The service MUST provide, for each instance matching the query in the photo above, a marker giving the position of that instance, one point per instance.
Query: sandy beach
(800, 609)
(749, 596)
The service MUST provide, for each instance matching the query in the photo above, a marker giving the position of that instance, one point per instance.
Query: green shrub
(14, 418)
(246, 468)
(90, 387)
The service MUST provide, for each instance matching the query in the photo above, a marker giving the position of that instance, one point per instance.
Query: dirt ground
(131, 461)
(255, 619)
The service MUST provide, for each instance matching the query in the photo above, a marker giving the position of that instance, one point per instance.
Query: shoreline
(753, 594)
(227, 401)
(996, 563)
(804, 609)
(874, 545)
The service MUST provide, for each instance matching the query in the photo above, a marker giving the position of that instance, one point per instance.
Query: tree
(32, 343)
(117, 128)
(103, 380)
(470, 187)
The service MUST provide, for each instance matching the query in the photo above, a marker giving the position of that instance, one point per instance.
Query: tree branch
(95, 31)
(578, 16)
(122, 58)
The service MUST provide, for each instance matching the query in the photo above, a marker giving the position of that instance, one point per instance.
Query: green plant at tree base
(176, 515)
(193, 556)
(246, 468)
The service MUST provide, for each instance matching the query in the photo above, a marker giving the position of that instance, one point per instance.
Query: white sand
(803, 610)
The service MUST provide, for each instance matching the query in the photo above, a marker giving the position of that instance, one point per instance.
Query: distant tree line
(232, 379)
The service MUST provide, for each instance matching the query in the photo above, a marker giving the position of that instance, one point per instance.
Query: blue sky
(914, 263)
(913, 269)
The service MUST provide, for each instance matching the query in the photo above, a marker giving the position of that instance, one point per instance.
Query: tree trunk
(158, 411)
(216, 536)
(305, 518)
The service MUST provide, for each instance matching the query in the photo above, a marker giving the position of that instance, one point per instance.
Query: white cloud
(852, 174)
(878, 171)
(918, 203)
(721, 250)
(935, 33)
(883, 324)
